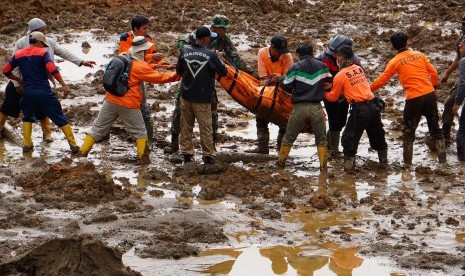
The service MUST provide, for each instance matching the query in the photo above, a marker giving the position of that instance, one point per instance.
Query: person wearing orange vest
(364, 115)
(128, 106)
(139, 26)
(273, 63)
(419, 79)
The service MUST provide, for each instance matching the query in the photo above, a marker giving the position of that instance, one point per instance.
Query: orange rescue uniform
(266, 67)
(416, 74)
(353, 83)
(140, 71)
(125, 43)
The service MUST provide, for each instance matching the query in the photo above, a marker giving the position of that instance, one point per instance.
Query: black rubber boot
(263, 140)
(461, 153)
(446, 131)
(408, 152)
(174, 146)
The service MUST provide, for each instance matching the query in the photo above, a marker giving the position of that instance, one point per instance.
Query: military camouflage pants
(176, 116)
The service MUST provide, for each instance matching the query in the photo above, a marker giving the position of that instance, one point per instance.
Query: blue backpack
(116, 75)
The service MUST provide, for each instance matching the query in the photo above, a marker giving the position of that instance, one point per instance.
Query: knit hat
(139, 43)
(35, 24)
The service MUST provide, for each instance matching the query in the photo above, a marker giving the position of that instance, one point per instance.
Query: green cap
(220, 21)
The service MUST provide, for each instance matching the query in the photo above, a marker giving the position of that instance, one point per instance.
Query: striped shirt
(306, 80)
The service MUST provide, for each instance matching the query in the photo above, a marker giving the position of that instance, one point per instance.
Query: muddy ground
(62, 215)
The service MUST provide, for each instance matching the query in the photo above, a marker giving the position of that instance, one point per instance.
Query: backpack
(116, 75)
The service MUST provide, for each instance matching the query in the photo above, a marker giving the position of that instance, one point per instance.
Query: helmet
(220, 21)
(338, 41)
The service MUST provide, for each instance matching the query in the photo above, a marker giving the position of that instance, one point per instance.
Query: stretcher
(267, 102)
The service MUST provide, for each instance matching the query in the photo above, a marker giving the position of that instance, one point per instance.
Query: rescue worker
(223, 44)
(306, 80)
(127, 107)
(13, 90)
(337, 111)
(198, 65)
(140, 26)
(35, 64)
(273, 63)
(364, 114)
(448, 115)
(459, 101)
(418, 78)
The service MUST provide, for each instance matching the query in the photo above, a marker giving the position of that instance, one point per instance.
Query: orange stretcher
(267, 102)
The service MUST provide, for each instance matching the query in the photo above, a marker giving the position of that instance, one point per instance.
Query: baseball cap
(280, 44)
(204, 31)
(38, 36)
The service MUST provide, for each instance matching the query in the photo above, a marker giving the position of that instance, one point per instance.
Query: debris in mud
(452, 221)
(321, 202)
(80, 183)
(73, 256)
(430, 260)
(173, 236)
(81, 115)
(270, 214)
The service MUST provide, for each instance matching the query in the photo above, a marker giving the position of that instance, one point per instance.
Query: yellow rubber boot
(46, 130)
(143, 150)
(27, 137)
(283, 154)
(89, 141)
(323, 157)
(70, 137)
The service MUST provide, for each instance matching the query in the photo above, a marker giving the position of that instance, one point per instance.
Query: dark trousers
(447, 114)
(337, 114)
(363, 116)
(461, 131)
(10, 106)
(261, 123)
(45, 101)
(425, 105)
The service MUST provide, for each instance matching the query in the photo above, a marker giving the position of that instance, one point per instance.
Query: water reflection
(327, 259)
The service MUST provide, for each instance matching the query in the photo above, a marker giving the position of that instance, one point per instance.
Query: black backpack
(116, 75)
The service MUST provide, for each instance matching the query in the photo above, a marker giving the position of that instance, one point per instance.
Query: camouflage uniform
(221, 44)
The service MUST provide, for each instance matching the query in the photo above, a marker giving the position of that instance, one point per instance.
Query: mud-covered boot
(150, 131)
(263, 137)
(446, 131)
(89, 142)
(283, 154)
(174, 146)
(461, 153)
(3, 118)
(187, 158)
(46, 130)
(279, 140)
(68, 132)
(323, 158)
(27, 137)
(383, 159)
(143, 151)
(349, 163)
(408, 152)
(333, 143)
(441, 150)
